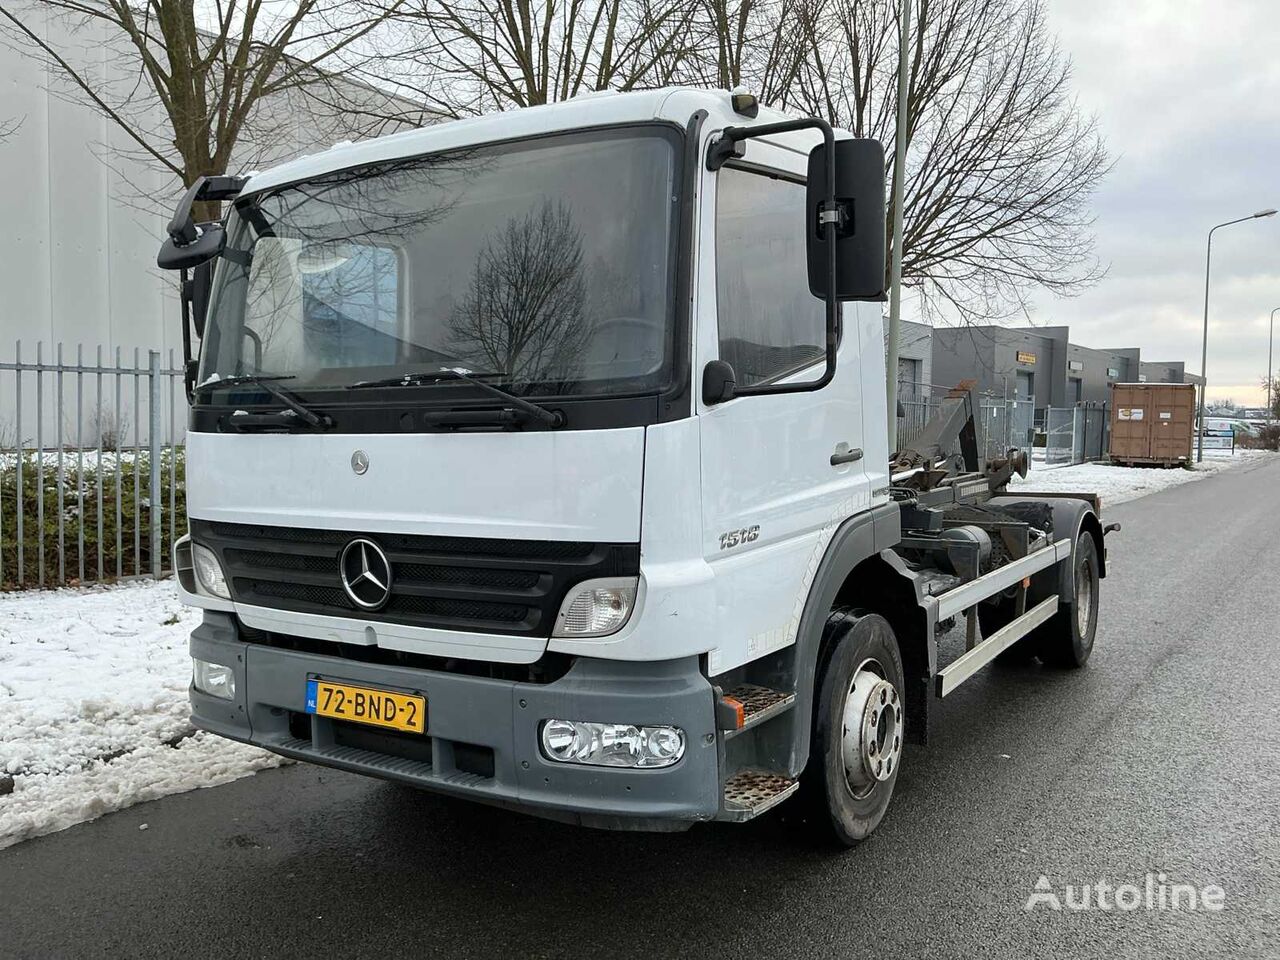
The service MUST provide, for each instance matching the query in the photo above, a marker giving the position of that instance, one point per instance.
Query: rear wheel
(1066, 640)
(858, 727)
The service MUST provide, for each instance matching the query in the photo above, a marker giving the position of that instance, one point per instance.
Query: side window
(770, 324)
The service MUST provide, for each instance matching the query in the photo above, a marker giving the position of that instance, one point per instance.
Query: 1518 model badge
(734, 538)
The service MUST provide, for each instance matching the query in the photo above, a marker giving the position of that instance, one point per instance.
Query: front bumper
(470, 719)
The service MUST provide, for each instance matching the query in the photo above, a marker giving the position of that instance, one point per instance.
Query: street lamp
(1204, 348)
(1271, 339)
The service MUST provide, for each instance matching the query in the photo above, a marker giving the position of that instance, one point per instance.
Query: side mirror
(860, 224)
(718, 381)
(183, 256)
(190, 244)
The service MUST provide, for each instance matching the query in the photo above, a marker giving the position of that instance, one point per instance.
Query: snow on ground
(93, 707)
(1118, 484)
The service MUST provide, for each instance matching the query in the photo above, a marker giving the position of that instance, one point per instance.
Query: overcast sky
(1187, 93)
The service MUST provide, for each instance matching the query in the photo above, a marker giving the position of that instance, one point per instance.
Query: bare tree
(9, 127)
(525, 312)
(762, 45)
(472, 56)
(1001, 162)
(219, 72)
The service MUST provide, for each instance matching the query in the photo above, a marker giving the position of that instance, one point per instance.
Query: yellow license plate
(378, 708)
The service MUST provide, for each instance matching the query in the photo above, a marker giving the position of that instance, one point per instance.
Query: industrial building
(1041, 364)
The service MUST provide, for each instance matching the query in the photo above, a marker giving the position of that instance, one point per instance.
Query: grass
(125, 483)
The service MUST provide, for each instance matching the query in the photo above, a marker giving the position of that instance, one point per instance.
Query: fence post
(154, 447)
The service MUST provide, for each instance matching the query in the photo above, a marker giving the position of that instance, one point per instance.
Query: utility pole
(895, 270)
(1204, 348)
(1271, 340)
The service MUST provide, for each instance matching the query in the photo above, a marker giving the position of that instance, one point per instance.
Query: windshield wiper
(267, 383)
(552, 418)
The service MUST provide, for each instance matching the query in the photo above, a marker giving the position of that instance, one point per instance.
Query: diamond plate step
(758, 705)
(750, 793)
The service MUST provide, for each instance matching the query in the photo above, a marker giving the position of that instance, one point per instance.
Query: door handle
(845, 454)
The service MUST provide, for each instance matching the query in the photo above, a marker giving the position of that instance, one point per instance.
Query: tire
(861, 677)
(1066, 639)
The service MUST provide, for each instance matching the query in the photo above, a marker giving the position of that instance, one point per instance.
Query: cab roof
(596, 109)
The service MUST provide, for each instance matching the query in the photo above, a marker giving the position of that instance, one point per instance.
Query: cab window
(770, 324)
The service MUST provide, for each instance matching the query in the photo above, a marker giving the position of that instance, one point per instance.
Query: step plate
(758, 705)
(750, 793)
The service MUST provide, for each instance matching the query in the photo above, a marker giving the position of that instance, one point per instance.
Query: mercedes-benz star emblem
(366, 574)
(360, 462)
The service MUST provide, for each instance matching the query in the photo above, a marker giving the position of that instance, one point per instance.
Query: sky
(1187, 96)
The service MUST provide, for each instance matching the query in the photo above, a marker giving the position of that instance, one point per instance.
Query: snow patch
(1117, 484)
(93, 706)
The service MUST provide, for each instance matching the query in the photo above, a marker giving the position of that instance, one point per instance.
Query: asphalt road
(1162, 756)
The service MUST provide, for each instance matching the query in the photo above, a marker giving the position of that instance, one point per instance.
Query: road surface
(1163, 756)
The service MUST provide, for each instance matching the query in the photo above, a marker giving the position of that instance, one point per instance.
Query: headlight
(611, 744)
(209, 571)
(214, 679)
(596, 608)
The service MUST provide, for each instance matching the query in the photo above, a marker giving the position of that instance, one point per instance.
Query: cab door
(780, 471)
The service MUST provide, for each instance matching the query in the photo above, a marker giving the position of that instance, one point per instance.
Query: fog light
(596, 608)
(214, 679)
(611, 744)
(209, 571)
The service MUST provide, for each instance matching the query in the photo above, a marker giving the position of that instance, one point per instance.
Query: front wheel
(858, 726)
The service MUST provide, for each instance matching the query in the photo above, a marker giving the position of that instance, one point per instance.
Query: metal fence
(1003, 423)
(1077, 434)
(1059, 435)
(92, 479)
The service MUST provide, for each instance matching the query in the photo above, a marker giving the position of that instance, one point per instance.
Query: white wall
(77, 255)
(82, 212)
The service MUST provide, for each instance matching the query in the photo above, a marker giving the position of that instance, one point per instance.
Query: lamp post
(895, 267)
(1271, 339)
(1204, 347)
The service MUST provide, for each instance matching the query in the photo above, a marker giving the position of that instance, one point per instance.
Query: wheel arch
(1071, 517)
(853, 572)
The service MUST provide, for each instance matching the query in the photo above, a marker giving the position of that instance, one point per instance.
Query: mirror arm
(185, 292)
(730, 145)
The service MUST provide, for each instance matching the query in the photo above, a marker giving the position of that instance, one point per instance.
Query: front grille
(474, 584)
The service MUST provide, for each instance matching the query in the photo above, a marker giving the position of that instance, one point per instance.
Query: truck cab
(539, 459)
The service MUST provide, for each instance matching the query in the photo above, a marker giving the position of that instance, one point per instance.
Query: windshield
(543, 265)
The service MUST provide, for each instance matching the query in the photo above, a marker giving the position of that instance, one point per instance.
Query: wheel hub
(871, 742)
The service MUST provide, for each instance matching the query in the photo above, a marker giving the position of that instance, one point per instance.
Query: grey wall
(1168, 371)
(915, 343)
(1095, 373)
(990, 356)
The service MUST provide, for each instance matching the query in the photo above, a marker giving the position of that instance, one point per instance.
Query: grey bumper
(465, 712)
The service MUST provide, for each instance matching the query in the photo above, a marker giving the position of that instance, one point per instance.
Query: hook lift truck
(539, 460)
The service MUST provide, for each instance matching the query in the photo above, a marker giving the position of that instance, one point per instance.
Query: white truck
(540, 459)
